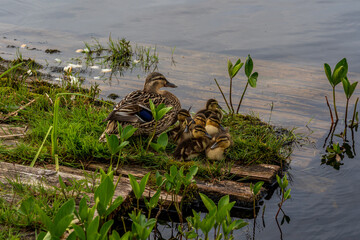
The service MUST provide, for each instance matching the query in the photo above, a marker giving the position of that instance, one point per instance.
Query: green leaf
(230, 67)
(287, 194)
(72, 236)
(92, 229)
(223, 201)
(163, 139)
(128, 131)
(257, 187)
(112, 143)
(83, 209)
(104, 192)
(135, 186)
(209, 204)
(236, 69)
(118, 201)
(342, 63)
(156, 147)
(122, 145)
(152, 108)
(278, 179)
(327, 69)
(60, 227)
(253, 79)
(155, 199)
(248, 66)
(105, 229)
(352, 89)
(66, 209)
(143, 183)
(27, 206)
(79, 232)
(162, 112)
(338, 75)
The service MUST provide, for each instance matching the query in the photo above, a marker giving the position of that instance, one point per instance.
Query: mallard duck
(215, 151)
(193, 146)
(213, 125)
(212, 107)
(134, 109)
(200, 119)
(176, 132)
(186, 134)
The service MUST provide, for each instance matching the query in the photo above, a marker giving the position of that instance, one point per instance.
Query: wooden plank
(135, 170)
(261, 172)
(236, 190)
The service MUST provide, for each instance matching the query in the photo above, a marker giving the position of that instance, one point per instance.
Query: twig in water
(331, 115)
(222, 94)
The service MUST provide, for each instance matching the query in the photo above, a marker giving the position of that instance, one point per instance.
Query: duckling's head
(200, 119)
(212, 104)
(223, 141)
(154, 81)
(214, 120)
(200, 132)
(182, 115)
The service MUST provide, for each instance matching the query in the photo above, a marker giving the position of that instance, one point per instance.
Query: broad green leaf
(156, 147)
(159, 179)
(83, 209)
(338, 75)
(128, 131)
(79, 232)
(327, 69)
(253, 79)
(352, 89)
(173, 170)
(152, 107)
(223, 201)
(60, 227)
(122, 145)
(236, 69)
(230, 67)
(342, 63)
(209, 204)
(162, 112)
(163, 139)
(92, 229)
(248, 66)
(257, 187)
(287, 194)
(105, 229)
(118, 201)
(44, 236)
(105, 192)
(72, 236)
(155, 199)
(143, 183)
(66, 209)
(112, 143)
(278, 179)
(135, 186)
(191, 174)
(346, 86)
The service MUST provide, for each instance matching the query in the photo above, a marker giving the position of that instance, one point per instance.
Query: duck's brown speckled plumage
(138, 99)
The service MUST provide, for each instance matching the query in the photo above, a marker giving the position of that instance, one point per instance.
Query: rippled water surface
(289, 41)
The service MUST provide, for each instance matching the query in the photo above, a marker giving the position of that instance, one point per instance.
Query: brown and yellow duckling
(212, 107)
(177, 131)
(190, 123)
(200, 119)
(216, 150)
(213, 125)
(193, 146)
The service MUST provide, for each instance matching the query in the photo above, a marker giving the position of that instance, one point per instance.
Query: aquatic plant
(335, 78)
(285, 194)
(355, 117)
(138, 188)
(158, 113)
(233, 70)
(255, 189)
(349, 90)
(162, 142)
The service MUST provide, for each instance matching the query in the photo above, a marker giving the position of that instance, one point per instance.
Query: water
(289, 42)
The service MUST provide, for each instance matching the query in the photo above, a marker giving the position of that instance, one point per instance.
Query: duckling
(200, 119)
(212, 106)
(213, 125)
(187, 132)
(216, 150)
(179, 129)
(134, 109)
(193, 146)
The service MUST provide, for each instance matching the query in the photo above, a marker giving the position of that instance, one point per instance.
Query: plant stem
(227, 104)
(281, 203)
(331, 115)
(230, 97)
(346, 111)
(117, 165)
(336, 114)
(353, 118)
(242, 96)
(152, 136)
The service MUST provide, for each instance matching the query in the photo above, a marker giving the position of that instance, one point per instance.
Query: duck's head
(215, 121)
(182, 115)
(200, 132)
(212, 104)
(223, 141)
(200, 119)
(154, 81)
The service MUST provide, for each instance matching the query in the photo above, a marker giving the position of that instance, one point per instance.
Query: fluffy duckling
(187, 133)
(213, 125)
(212, 107)
(216, 150)
(200, 119)
(177, 131)
(193, 146)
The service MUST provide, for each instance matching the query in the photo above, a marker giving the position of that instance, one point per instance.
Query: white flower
(23, 46)
(95, 67)
(29, 72)
(74, 80)
(57, 60)
(86, 50)
(67, 69)
(106, 70)
(80, 50)
(58, 79)
(136, 61)
(96, 78)
(75, 65)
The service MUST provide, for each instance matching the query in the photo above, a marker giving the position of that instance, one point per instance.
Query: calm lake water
(288, 40)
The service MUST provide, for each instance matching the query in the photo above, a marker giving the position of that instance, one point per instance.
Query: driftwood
(261, 172)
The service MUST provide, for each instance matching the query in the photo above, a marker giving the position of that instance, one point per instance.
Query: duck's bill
(215, 145)
(171, 85)
(222, 128)
(208, 135)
